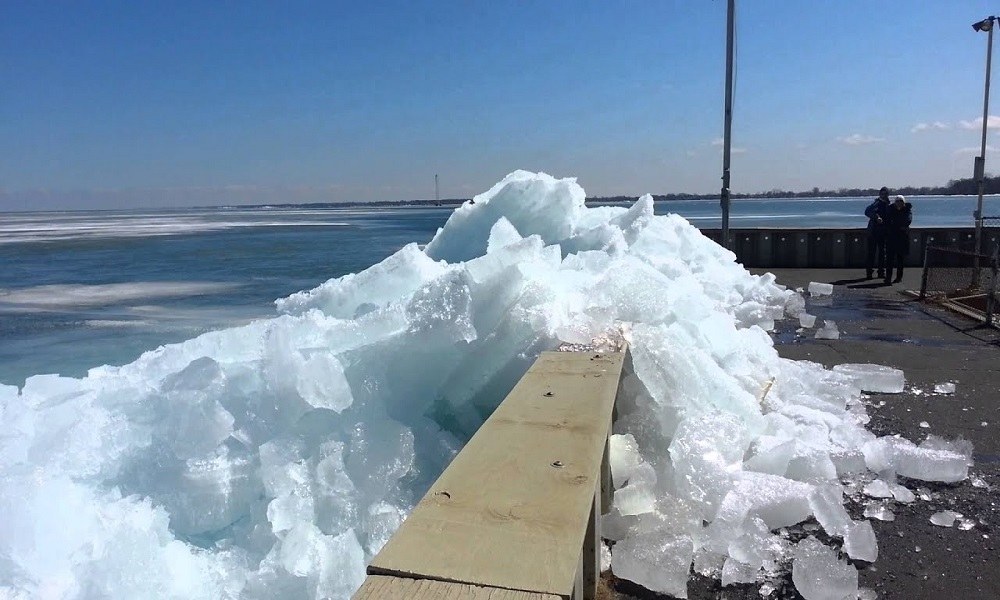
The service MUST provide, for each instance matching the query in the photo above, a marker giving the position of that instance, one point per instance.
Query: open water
(81, 289)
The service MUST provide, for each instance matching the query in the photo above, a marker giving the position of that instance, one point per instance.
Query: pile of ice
(273, 460)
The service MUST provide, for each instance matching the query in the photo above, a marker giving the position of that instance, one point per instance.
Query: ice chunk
(758, 548)
(925, 424)
(934, 460)
(355, 294)
(828, 331)
(733, 571)
(777, 501)
(624, 456)
(502, 234)
(605, 557)
(874, 378)
(827, 504)
(655, 563)
(820, 289)
(819, 575)
(878, 489)
(945, 518)
(966, 524)
(795, 305)
(638, 497)
(860, 543)
(772, 456)
(902, 494)
(807, 320)
(878, 510)
(944, 388)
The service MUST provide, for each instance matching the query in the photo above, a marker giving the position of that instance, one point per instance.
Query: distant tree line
(955, 187)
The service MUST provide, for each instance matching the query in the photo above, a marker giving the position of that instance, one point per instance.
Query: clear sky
(133, 104)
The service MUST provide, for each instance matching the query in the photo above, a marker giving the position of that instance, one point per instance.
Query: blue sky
(116, 105)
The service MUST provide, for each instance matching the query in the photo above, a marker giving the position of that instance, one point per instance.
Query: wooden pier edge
(517, 514)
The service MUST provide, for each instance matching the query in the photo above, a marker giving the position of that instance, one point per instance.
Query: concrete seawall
(834, 248)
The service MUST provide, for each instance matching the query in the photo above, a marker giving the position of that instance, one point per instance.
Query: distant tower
(437, 193)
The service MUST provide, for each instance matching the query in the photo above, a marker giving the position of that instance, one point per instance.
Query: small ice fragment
(944, 388)
(859, 541)
(983, 424)
(819, 575)
(827, 504)
(966, 524)
(767, 589)
(874, 378)
(807, 320)
(878, 510)
(878, 489)
(733, 571)
(867, 594)
(916, 549)
(978, 482)
(945, 518)
(820, 289)
(605, 557)
(902, 494)
(925, 494)
(623, 454)
(828, 331)
(925, 424)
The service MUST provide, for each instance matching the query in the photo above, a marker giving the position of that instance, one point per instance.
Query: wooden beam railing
(516, 515)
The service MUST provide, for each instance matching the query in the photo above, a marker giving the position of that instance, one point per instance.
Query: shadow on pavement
(875, 284)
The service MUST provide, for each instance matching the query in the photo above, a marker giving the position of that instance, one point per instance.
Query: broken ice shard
(944, 388)
(820, 289)
(819, 575)
(874, 378)
(945, 518)
(828, 331)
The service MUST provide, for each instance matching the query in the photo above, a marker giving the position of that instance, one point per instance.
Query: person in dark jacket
(876, 213)
(897, 236)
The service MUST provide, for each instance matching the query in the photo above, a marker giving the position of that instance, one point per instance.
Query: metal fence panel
(956, 274)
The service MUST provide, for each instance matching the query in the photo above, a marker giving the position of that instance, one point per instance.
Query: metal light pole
(980, 168)
(726, 138)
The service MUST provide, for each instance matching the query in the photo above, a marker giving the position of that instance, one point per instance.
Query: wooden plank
(382, 587)
(512, 509)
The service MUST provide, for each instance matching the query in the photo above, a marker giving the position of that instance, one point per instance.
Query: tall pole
(726, 138)
(981, 171)
(437, 193)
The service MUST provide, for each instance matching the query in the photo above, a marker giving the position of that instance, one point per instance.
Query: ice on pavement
(944, 388)
(879, 510)
(819, 575)
(275, 459)
(807, 320)
(820, 289)
(945, 518)
(828, 331)
(874, 378)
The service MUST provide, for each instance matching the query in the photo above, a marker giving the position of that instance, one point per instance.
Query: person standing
(898, 217)
(876, 213)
